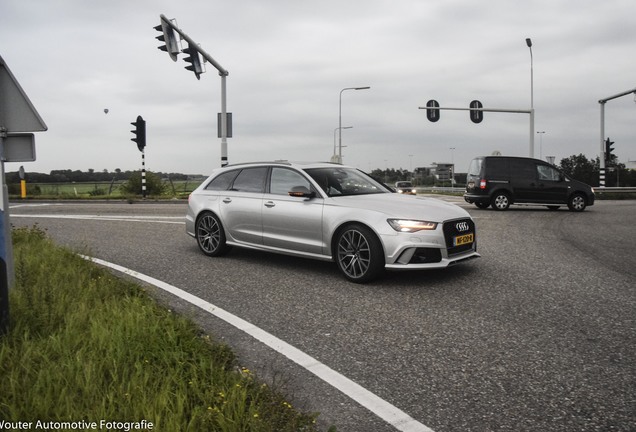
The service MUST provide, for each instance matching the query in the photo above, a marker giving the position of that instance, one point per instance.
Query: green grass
(85, 345)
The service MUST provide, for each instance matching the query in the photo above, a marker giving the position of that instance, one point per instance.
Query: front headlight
(407, 225)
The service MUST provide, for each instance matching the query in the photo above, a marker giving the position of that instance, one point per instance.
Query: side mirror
(301, 192)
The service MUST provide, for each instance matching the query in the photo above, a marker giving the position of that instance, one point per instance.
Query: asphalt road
(537, 335)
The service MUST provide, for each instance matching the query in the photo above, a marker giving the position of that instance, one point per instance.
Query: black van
(499, 181)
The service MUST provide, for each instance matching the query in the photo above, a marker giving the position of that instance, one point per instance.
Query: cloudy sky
(288, 60)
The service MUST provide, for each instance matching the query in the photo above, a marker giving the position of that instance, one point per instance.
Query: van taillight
(482, 184)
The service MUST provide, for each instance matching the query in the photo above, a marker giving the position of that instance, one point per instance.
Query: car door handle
(270, 204)
(227, 200)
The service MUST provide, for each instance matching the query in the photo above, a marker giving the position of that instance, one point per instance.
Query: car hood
(403, 206)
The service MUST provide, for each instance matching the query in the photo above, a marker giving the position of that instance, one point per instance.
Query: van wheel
(500, 201)
(482, 205)
(577, 203)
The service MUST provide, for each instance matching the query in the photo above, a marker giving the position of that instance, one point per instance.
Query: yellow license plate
(463, 239)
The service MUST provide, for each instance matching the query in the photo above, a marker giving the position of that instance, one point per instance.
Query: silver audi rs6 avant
(329, 212)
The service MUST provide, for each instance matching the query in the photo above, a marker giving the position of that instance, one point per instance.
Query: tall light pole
(541, 144)
(529, 43)
(452, 149)
(334, 158)
(340, 119)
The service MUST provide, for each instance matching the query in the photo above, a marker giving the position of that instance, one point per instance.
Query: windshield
(341, 181)
(475, 167)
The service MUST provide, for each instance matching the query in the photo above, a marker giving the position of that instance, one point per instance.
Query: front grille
(451, 231)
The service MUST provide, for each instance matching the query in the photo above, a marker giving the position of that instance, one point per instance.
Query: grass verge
(84, 345)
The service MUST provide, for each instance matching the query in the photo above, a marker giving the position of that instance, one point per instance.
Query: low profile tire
(359, 254)
(482, 205)
(577, 203)
(500, 201)
(210, 235)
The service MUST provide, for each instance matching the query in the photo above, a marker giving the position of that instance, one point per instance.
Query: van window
(546, 172)
(497, 167)
(523, 169)
(475, 167)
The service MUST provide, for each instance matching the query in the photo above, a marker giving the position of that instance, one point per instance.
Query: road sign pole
(5, 244)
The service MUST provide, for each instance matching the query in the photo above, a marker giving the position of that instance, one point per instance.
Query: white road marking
(155, 219)
(383, 409)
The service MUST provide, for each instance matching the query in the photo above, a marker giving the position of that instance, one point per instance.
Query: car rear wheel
(577, 203)
(359, 254)
(210, 235)
(500, 201)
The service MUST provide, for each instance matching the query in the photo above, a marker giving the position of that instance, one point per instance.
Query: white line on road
(155, 219)
(389, 413)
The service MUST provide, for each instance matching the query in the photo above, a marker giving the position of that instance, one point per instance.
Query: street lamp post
(529, 43)
(334, 158)
(452, 149)
(340, 119)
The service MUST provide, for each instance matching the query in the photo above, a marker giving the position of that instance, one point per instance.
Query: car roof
(300, 165)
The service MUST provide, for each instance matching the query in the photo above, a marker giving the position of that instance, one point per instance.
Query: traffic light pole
(222, 72)
(501, 110)
(603, 162)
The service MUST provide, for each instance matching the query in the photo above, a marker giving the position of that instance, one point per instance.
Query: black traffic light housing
(432, 114)
(169, 37)
(608, 151)
(140, 133)
(194, 60)
(476, 115)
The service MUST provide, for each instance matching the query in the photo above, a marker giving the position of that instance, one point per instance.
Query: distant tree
(581, 168)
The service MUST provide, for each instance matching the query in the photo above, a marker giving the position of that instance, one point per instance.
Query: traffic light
(169, 38)
(140, 133)
(194, 59)
(475, 115)
(432, 114)
(608, 151)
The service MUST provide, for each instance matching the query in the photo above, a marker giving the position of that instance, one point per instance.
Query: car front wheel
(359, 254)
(210, 235)
(577, 203)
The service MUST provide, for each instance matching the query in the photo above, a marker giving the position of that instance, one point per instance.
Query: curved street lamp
(340, 118)
(529, 43)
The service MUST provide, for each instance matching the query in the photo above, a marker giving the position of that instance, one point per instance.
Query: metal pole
(224, 160)
(340, 119)
(601, 171)
(143, 174)
(5, 245)
(529, 43)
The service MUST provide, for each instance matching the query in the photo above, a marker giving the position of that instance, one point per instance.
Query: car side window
(250, 180)
(546, 172)
(284, 179)
(222, 182)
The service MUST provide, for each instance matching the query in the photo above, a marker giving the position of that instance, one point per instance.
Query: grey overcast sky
(288, 61)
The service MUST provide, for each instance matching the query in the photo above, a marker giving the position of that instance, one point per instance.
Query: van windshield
(475, 167)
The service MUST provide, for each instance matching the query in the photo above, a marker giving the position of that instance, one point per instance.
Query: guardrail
(597, 189)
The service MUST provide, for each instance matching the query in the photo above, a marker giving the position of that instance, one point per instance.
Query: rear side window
(250, 180)
(223, 181)
(523, 169)
(496, 167)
